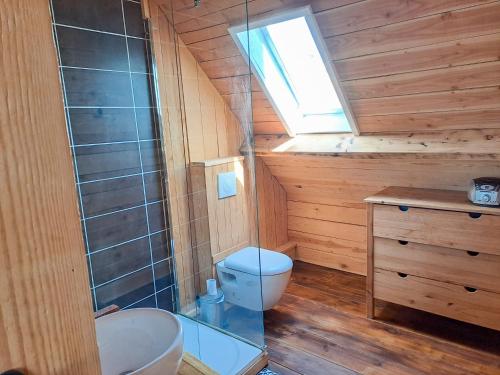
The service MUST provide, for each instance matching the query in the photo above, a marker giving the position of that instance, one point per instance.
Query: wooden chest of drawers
(433, 250)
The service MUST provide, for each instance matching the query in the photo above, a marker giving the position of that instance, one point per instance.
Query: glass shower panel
(206, 95)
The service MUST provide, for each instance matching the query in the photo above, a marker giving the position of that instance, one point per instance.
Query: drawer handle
(402, 275)
(404, 208)
(403, 242)
(470, 289)
(473, 253)
(475, 215)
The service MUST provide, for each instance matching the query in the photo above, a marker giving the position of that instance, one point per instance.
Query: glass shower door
(206, 116)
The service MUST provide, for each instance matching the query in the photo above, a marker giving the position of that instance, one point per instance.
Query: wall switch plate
(226, 184)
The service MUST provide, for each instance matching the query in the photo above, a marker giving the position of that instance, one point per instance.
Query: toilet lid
(247, 260)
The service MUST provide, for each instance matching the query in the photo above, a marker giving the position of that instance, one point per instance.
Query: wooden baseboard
(289, 248)
(258, 364)
(193, 366)
(332, 260)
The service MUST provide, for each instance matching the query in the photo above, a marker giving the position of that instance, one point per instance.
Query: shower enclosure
(207, 136)
(161, 140)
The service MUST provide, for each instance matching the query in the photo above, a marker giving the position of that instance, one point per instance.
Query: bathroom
(249, 187)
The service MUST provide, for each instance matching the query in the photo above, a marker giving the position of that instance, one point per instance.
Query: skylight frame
(309, 17)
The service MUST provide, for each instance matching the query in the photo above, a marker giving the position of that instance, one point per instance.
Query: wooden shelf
(463, 144)
(218, 161)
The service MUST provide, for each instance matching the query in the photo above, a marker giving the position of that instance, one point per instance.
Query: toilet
(240, 277)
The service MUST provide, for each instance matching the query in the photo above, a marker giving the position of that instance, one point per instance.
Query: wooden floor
(319, 327)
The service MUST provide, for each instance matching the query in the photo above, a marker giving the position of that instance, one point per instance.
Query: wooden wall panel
(370, 14)
(213, 131)
(451, 25)
(46, 321)
(198, 126)
(220, 222)
(326, 213)
(272, 203)
(473, 99)
(381, 49)
(456, 78)
(474, 50)
(432, 121)
(175, 150)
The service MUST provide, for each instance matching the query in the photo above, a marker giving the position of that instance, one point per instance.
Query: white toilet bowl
(240, 276)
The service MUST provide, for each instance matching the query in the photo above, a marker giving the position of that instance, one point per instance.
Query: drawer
(461, 267)
(459, 230)
(477, 307)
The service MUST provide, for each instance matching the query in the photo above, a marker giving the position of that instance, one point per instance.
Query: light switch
(226, 184)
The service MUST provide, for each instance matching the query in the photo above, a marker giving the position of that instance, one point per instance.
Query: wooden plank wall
(197, 126)
(213, 131)
(272, 203)
(46, 317)
(405, 65)
(326, 213)
(220, 222)
(175, 150)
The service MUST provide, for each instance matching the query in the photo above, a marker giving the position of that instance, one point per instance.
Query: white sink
(139, 341)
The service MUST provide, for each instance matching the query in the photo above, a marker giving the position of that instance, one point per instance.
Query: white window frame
(282, 16)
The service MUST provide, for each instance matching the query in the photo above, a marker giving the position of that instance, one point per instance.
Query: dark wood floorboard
(279, 369)
(319, 327)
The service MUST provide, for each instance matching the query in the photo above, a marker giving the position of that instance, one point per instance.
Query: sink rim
(176, 343)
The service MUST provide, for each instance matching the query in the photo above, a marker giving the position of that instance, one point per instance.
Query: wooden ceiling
(405, 65)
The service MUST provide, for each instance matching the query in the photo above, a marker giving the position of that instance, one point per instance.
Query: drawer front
(459, 230)
(477, 307)
(478, 270)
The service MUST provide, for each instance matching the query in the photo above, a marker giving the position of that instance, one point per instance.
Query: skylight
(285, 56)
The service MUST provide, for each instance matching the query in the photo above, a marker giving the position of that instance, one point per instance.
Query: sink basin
(139, 341)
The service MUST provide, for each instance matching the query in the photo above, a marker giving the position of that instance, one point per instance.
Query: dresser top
(429, 198)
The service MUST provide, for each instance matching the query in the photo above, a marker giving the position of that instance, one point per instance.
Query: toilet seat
(263, 263)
